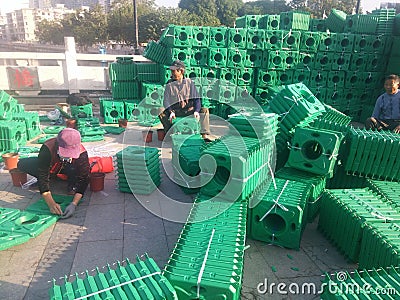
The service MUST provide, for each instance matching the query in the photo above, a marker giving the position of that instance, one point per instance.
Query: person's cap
(69, 143)
(177, 65)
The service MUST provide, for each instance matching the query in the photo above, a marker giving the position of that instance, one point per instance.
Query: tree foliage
(319, 8)
(263, 7)
(94, 26)
(49, 32)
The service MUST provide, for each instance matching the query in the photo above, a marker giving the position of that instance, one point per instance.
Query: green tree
(49, 32)
(318, 8)
(263, 7)
(227, 11)
(120, 22)
(87, 26)
(206, 10)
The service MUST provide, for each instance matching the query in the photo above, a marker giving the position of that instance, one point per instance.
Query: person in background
(386, 114)
(66, 155)
(181, 99)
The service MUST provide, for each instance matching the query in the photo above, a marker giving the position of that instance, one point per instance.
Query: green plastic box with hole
(254, 58)
(274, 39)
(199, 57)
(291, 40)
(183, 55)
(217, 57)
(247, 21)
(177, 36)
(201, 36)
(309, 41)
(218, 36)
(186, 125)
(315, 151)
(276, 60)
(323, 60)
(245, 77)
(284, 77)
(228, 76)
(113, 111)
(269, 22)
(236, 58)
(255, 39)
(280, 215)
(236, 38)
(32, 123)
(306, 60)
(230, 166)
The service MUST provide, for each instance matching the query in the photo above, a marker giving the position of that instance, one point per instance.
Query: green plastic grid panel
(125, 89)
(336, 20)
(7, 107)
(139, 280)
(148, 71)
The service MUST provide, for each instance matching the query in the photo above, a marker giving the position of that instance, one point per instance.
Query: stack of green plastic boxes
(136, 281)
(373, 154)
(343, 67)
(16, 125)
(233, 166)
(316, 183)
(345, 215)
(138, 170)
(90, 129)
(207, 260)
(186, 153)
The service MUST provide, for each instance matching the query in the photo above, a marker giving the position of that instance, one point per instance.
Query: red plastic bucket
(160, 134)
(18, 177)
(97, 181)
(123, 123)
(10, 160)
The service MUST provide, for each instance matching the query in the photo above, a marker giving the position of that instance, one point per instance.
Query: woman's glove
(69, 211)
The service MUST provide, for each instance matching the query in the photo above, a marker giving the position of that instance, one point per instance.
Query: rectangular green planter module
(201, 36)
(218, 36)
(315, 150)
